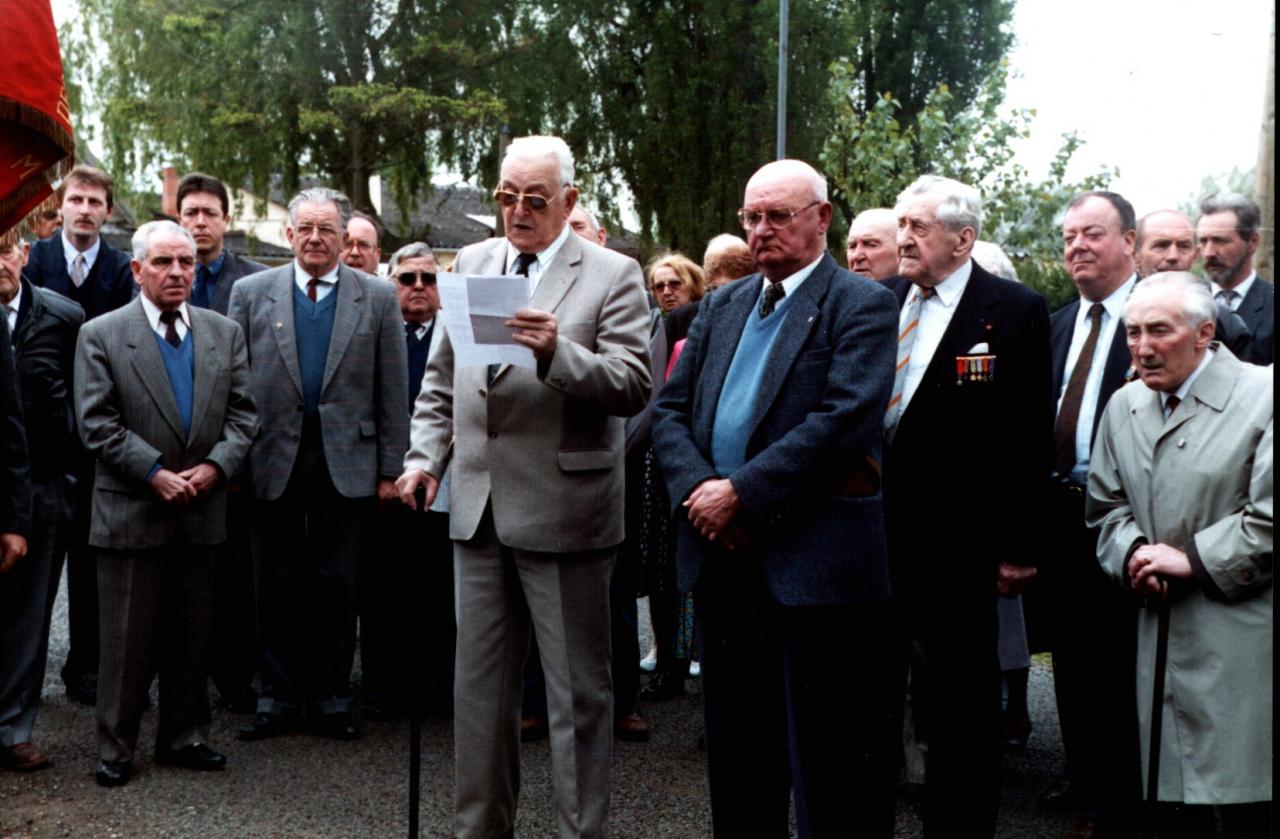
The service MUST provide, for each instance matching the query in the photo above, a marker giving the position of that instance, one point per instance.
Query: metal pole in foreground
(782, 78)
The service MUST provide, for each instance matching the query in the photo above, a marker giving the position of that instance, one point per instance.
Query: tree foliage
(872, 156)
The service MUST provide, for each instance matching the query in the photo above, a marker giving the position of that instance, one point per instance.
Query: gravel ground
(303, 786)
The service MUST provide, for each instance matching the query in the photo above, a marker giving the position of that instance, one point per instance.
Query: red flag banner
(36, 144)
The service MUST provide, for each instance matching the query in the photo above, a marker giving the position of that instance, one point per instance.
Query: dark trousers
(1093, 636)
(783, 673)
(305, 547)
(1196, 821)
(82, 578)
(955, 625)
(407, 628)
(234, 656)
(27, 594)
(625, 642)
(156, 615)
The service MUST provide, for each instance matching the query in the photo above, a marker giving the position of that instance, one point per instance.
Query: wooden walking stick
(415, 707)
(1157, 714)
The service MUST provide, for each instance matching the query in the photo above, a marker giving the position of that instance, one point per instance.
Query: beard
(1222, 276)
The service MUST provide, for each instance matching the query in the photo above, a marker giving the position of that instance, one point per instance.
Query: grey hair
(959, 205)
(321, 195)
(1248, 217)
(993, 258)
(592, 222)
(413, 250)
(1197, 299)
(142, 236)
(538, 145)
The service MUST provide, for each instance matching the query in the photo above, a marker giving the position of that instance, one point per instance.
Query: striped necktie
(907, 328)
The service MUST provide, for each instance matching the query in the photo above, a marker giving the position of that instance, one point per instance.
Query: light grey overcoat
(1201, 482)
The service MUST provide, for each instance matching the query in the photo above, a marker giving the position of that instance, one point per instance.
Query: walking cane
(1157, 714)
(415, 713)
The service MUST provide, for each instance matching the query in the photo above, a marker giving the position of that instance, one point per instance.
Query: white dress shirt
(90, 255)
(935, 315)
(181, 323)
(328, 281)
(790, 284)
(1238, 293)
(11, 310)
(543, 258)
(1185, 387)
(1112, 315)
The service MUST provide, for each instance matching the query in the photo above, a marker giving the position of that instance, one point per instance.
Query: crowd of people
(837, 487)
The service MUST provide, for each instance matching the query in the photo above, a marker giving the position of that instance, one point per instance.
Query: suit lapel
(556, 280)
(1061, 329)
(793, 334)
(969, 326)
(1210, 391)
(282, 326)
(346, 315)
(206, 365)
(149, 366)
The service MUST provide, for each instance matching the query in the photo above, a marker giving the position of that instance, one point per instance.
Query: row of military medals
(975, 368)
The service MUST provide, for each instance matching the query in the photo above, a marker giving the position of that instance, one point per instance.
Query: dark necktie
(202, 294)
(1170, 405)
(523, 261)
(1064, 431)
(170, 330)
(773, 292)
(411, 330)
(311, 288)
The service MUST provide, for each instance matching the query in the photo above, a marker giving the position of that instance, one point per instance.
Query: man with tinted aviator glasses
(535, 508)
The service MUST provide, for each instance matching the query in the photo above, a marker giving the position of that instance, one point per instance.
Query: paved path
(302, 786)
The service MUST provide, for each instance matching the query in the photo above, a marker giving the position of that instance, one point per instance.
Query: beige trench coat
(1202, 480)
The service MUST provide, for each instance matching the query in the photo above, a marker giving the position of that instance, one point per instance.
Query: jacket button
(483, 394)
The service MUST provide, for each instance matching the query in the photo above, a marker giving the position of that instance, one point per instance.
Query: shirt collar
(1241, 289)
(301, 275)
(153, 312)
(951, 289)
(1113, 303)
(421, 327)
(16, 302)
(90, 253)
(544, 256)
(215, 268)
(791, 283)
(1185, 387)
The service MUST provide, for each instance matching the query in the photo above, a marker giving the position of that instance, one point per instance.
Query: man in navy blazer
(768, 434)
(78, 263)
(967, 458)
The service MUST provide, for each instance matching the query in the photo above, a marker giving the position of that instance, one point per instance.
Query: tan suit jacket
(546, 446)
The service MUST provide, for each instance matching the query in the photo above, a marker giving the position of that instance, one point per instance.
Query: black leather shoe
(83, 689)
(197, 756)
(338, 726)
(662, 687)
(113, 773)
(265, 726)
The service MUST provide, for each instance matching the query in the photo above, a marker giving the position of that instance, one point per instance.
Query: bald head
(726, 258)
(1166, 242)
(786, 214)
(873, 243)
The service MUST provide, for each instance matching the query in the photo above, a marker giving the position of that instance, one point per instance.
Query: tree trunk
(1264, 261)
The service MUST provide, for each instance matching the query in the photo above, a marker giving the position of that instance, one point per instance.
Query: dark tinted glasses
(408, 278)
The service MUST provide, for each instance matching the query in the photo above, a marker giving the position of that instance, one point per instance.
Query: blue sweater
(313, 325)
(180, 364)
(737, 402)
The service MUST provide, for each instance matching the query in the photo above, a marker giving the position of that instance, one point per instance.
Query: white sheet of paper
(474, 309)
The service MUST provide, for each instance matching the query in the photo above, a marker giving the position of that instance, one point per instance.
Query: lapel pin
(279, 325)
(1182, 442)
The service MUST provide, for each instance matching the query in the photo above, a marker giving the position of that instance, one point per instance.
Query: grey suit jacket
(233, 268)
(365, 388)
(545, 446)
(128, 420)
(810, 486)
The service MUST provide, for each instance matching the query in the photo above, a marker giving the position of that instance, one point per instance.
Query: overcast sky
(1168, 91)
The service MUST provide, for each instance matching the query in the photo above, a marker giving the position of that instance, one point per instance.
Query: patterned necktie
(907, 323)
(202, 293)
(311, 288)
(77, 270)
(170, 329)
(1064, 431)
(1227, 296)
(773, 292)
(521, 269)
